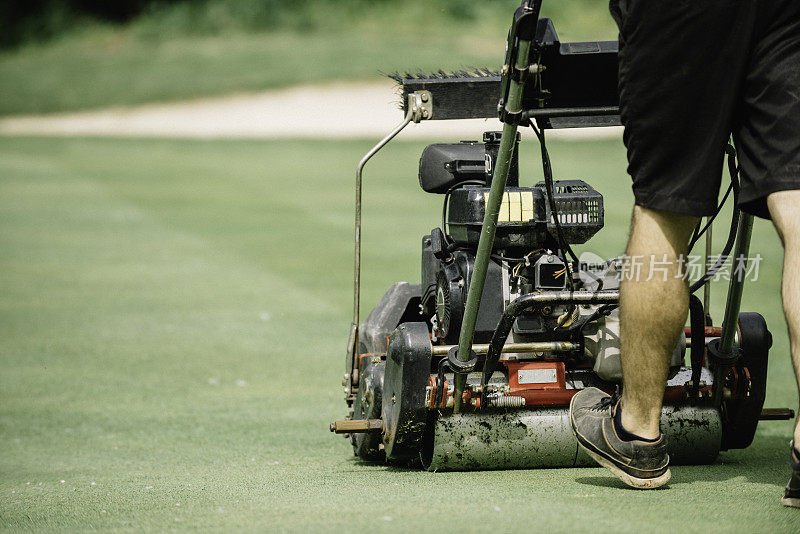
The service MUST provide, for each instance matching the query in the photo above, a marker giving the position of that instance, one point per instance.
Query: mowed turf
(173, 317)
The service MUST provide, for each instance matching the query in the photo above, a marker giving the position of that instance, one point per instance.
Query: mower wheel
(367, 405)
(740, 415)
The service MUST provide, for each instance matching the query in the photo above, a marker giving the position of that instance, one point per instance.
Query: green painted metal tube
(731, 320)
(730, 323)
(486, 241)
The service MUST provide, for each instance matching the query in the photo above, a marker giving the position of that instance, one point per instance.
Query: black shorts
(691, 74)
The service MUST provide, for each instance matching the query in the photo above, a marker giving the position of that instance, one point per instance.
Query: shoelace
(605, 402)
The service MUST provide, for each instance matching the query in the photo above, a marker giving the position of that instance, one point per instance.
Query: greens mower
(475, 367)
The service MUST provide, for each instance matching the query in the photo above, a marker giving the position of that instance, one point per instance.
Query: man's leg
(784, 206)
(653, 308)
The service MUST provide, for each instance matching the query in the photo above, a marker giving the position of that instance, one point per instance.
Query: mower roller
(475, 366)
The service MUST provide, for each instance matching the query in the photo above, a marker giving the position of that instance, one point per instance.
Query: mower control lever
(517, 60)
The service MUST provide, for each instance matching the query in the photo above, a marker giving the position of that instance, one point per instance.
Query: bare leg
(784, 206)
(652, 313)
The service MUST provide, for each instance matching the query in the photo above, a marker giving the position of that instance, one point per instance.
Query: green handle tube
(486, 242)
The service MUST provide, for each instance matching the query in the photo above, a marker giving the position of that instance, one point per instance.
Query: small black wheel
(367, 405)
(740, 415)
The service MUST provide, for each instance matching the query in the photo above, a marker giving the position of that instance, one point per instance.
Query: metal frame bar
(534, 346)
(420, 107)
(550, 113)
(707, 287)
(730, 322)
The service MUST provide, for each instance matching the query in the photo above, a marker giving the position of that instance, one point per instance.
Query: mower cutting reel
(542, 437)
(475, 367)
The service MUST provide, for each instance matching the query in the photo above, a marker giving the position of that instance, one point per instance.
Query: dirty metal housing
(542, 437)
(408, 365)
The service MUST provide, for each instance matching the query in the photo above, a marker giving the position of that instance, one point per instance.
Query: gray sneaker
(639, 464)
(791, 497)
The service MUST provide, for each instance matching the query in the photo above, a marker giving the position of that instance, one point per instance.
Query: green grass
(173, 316)
(158, 59)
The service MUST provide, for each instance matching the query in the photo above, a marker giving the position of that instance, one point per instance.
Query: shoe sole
(792, 502)
(630, 480)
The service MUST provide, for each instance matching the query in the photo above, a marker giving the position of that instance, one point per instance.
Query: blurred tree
(38, 20)
(22, 20)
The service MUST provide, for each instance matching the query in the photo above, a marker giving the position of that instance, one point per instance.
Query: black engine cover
(452, 277)
(521, 223)
(443, 166)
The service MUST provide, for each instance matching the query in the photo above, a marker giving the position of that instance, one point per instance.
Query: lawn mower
(475, 366)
